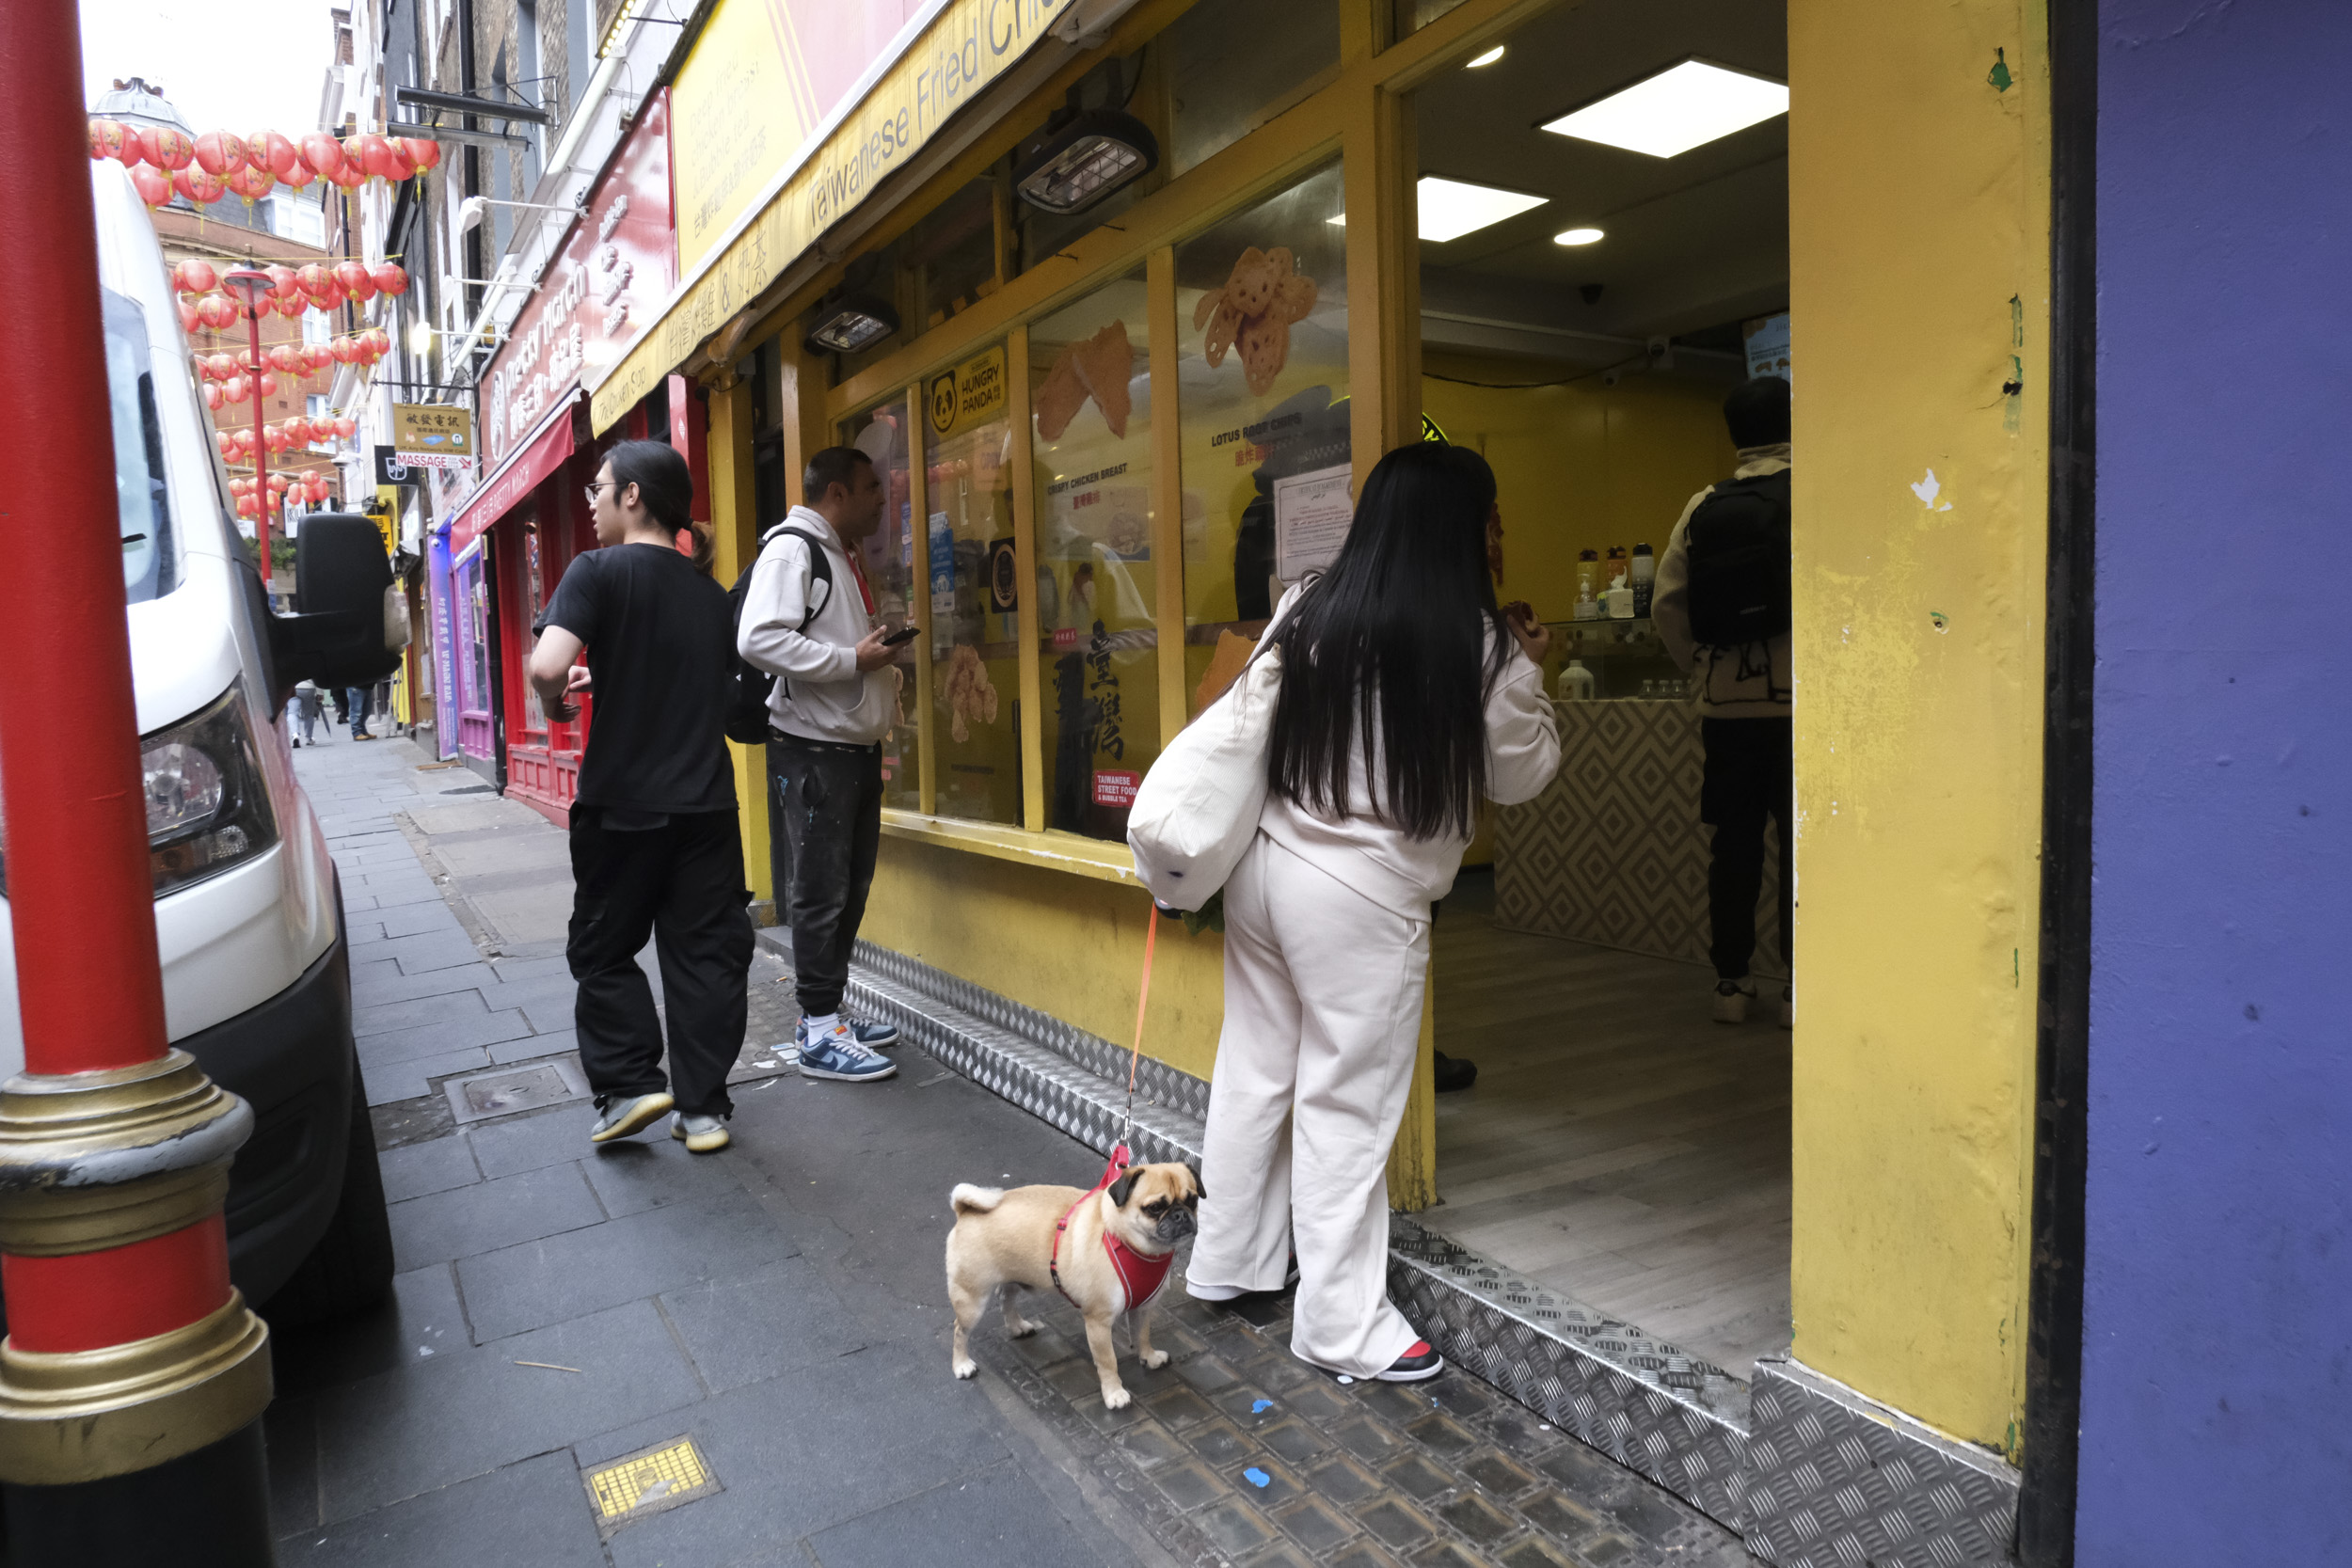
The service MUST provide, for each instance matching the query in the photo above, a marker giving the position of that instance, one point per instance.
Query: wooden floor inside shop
(1619, 1144)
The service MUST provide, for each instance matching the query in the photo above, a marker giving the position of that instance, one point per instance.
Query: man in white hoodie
(1721, 609)
(813, 628)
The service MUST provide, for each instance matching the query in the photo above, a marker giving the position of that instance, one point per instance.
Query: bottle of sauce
(1643, 579)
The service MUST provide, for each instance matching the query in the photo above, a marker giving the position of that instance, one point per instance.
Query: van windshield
(142, 495)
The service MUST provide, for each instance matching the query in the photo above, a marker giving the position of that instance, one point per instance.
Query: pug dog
(1007, 1239)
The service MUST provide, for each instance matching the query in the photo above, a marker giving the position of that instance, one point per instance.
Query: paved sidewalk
(561, 1308)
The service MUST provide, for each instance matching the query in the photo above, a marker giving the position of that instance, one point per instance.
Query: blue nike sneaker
(839, 1056)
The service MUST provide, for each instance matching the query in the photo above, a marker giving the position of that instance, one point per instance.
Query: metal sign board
(433, 435)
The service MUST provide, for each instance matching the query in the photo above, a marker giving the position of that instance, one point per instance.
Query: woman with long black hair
(1408, 695)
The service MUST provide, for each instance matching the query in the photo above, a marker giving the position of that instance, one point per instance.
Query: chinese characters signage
(432, 435)
(616, 263)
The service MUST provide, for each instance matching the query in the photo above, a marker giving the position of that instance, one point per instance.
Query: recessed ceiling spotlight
(1577, 236)
(1489, 57)
(1678, 109)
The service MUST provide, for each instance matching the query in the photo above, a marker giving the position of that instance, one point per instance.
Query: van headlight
(207, 804)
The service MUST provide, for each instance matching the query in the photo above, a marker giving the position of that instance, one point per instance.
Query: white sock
(820, 1025)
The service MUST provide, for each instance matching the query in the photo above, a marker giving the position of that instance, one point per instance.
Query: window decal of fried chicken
(969, 694)
(1097, 368)
(1254, 311)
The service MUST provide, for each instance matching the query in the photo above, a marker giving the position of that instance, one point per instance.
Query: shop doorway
(1585, 308)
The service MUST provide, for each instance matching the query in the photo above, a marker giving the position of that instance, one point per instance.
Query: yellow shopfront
(1112, 434)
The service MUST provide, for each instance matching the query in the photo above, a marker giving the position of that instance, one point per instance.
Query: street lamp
(249, 284)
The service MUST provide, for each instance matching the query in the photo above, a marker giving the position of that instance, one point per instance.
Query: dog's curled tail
(969, 1200)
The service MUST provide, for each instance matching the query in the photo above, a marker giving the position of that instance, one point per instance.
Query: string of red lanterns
(234, 378)
(316, 287)
(309, 488)
(164, 160)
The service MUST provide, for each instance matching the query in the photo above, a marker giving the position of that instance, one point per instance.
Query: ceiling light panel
(1577, 236)
(1451, 209)
(1687, 106)
(1489, 57)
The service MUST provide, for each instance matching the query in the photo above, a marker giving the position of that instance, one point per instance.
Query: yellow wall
(1065, 944)
(1919, 210)
(1579, 467)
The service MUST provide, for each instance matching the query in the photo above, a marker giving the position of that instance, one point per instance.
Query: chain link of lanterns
(165, 161)
(234, 378)
(311, 489)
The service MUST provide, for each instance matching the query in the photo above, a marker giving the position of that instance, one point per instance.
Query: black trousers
(1748, 777)
(682, 884)
(824, 836)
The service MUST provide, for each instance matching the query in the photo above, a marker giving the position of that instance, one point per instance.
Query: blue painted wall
(2218, 1344)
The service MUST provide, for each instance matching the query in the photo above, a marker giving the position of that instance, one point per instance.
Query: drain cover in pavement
(647, 1482)
(522, 1088)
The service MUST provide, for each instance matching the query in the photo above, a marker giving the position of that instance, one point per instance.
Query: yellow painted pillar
(1920, 216)
(736, 537)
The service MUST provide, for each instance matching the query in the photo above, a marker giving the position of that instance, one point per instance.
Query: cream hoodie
(820, 694)
(1385, 863)
(1734, 683)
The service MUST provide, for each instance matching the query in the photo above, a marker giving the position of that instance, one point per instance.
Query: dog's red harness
(1140, 1273)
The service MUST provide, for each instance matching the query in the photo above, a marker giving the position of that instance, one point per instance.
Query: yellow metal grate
(624, 1488)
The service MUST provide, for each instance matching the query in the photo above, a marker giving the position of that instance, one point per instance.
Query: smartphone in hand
(901, 637)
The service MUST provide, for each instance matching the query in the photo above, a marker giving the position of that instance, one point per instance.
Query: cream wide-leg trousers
(1323, 997)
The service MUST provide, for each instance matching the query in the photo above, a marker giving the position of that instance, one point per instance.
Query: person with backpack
(1405, 695)
(656, 846)
(1722, 609)
(807, 619)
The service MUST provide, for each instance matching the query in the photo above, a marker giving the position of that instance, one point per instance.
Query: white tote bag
(1197, 809)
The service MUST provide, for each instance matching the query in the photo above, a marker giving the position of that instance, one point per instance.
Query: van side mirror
(338, 635)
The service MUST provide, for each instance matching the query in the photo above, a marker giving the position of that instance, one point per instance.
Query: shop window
(1412, 15)
(768, 477)
(1091, 397)
(534, 600)
(1232, 64)
(974, 589)
(1262, 308)
(888, 557)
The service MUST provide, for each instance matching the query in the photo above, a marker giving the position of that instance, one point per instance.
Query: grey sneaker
(836, 1054)
(1731, 999)
(622, 1117)
(703, 1134)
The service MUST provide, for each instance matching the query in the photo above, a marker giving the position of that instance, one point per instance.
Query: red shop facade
(511, 539)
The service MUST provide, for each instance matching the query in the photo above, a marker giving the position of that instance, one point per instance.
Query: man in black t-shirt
(654, 844)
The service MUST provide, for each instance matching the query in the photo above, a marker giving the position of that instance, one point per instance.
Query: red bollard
(133, 1377)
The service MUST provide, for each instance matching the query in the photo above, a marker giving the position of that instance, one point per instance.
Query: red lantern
(218, 311)
(98, 131)
(167, 148)
(389, 279)
(345, 426)
(343, 351)
(199, 187)
(193, 277)
(212, 398)
(378, 341)
(248, 507)
(272, 151)
(294, 304)
(282, 281)
(286, 357)
(369, 150)
(189, 320)
(236, 389)
(279, 481)
(298, 431)
(219, 152)
(425, 154)
(153, 185)
(111, 138)
(322, 154)
(348, 175)
(316, 281)
(252, 183)
(299, 176)
(220, 367)
(268, 385)
(354, 279)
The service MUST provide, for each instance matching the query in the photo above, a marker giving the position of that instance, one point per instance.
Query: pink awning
(515, 478)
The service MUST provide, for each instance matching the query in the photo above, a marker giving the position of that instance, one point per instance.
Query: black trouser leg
(618, 884)
(1747, 780)
(701, 935)
(830, 812)
(779, 840)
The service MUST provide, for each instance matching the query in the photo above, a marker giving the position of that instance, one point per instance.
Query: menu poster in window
(1312, 512)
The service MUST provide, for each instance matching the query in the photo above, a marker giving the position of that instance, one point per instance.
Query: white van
(257, 975)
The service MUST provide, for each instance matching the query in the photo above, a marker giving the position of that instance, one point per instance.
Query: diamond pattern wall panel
(1614, 853)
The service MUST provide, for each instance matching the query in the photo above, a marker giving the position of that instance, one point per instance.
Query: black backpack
(1738, 543)
(747, 693)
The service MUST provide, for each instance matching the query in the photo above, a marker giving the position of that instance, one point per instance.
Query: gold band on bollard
(74, 1415)
(91, 1161)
